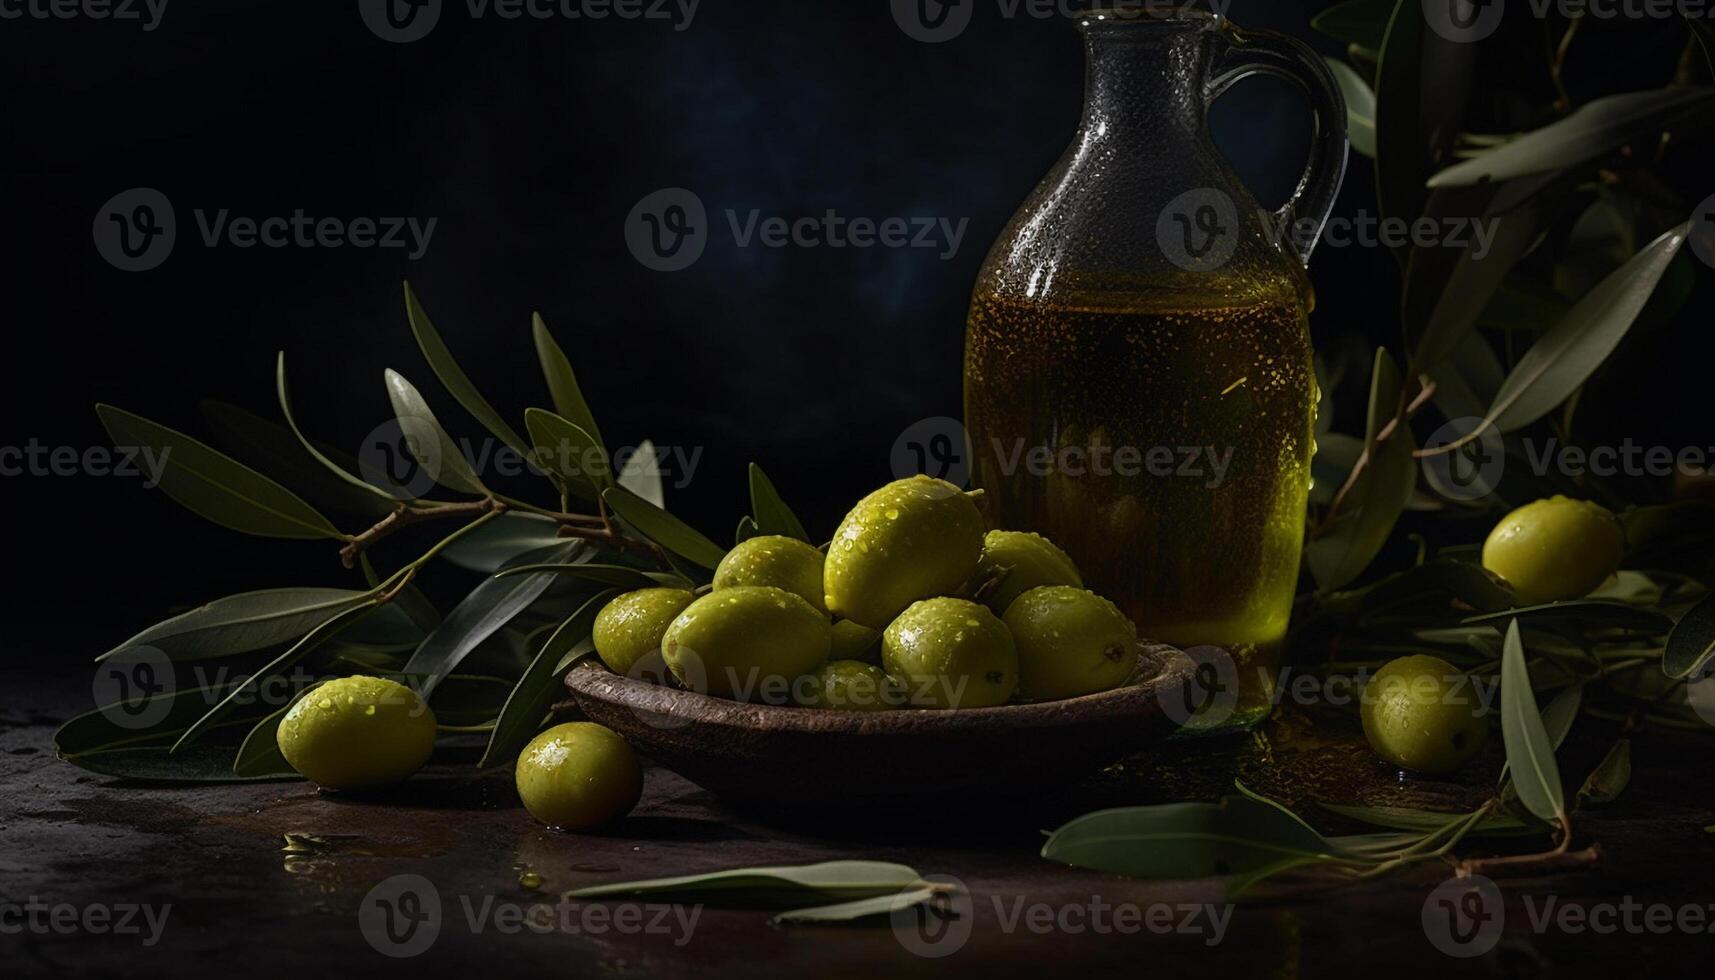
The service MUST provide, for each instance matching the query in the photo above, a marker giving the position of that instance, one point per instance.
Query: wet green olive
(852, 641)
(785, 563)
(630, 627)
(912, 539)
(748, 642)
(357, 733)
(1422, 713)
(850, 685)
(578, 776)
(1553, 549)
(950, 653)
(1022, 561)
(1070, 642)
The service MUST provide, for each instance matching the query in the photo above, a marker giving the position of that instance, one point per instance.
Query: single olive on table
(578, 776)
(1422, 713)
(357, 733)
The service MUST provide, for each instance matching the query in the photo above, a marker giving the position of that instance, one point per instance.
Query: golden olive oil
(1164, 441)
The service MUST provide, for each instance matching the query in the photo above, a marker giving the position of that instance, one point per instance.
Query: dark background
(530, 141)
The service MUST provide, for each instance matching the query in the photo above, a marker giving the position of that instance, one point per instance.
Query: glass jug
(1138, 379)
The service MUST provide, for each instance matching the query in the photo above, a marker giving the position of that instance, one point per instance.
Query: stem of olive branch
(1426, 391)
(405, 515)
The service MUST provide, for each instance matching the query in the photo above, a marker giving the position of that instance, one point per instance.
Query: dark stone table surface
(268, 879)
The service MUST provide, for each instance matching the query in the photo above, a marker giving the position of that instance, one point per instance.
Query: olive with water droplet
(772, 559)
(630, 627)
(912, 539)
(1021, 561)
(950, 653)
(578, 776)
(1071, 642)
(357, 733)
(851, 685)
(1424, 714)
(747, 642)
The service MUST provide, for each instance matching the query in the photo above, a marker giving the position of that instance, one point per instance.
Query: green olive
(1420, 712)
(851, 685)
(950, 653)
(630, 627)
(748, 642)
(578, 776)
(1021, 561)
(1070, 642)
(357, 733)
(1554, 549)
(913, 539)
(785, 563)
(854, 642)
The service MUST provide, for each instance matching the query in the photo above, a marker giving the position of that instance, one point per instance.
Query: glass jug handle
(1300, 220)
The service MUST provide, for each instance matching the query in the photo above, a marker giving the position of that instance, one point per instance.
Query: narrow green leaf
(259, 754)
(466, 702)
(642, 474)
(457, 383)
(242, 623)
(297, 652)
(772, 514)
(103, 730)
(1422, 84)
(1184, 840)
(1378, 498)
(539, 687)
(835, 879)
(428, 442)
(1610, 777)
(389, 496)
(480, 615)
(1360, 106)
(563, 386)
(1360, 22)
(501, 540)
(199, 764)
(1557, 721)
(862, 908)
(1446, 291)
(213, 484)
(623, 576)
(565, 449)
(1530, 753)
(663, 528)
(1580, 617)
(1428, 821)
(1591, 131)
(1692, 642)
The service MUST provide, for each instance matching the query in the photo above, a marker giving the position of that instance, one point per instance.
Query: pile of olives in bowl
(911, 605)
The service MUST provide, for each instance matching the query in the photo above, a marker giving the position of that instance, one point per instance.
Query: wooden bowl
(801, 759)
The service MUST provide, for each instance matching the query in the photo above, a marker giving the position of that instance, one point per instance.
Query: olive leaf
(215, 485)
(562, 382)
(112, 726)
(772, 514)
(276, 452)
(466, 702)
(1610, 777)
(388, 496)
(1530, 753)
(1360, 106)
(539, 687)
(1185, 840)
(308, 644)
(641, 474)
(1691, 644)
(922, 893)
(499, 541)
(833, 879)
(663, 528)
(1379, 495)
(1593, 130)
(243, 622)
(566, 450)
(1360, 22)
(457, 383)
(624, 576)
(427, 441)
(1428, 821)
(1422, 81)
(199, 764)
(259, 754)
(1579, 617)
(1557, 721)
(480, 615)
